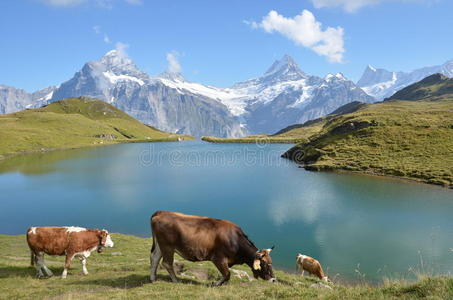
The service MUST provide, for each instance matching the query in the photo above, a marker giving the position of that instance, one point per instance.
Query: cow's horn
(270, 249)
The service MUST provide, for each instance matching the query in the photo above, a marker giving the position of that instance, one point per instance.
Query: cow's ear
(257, 265)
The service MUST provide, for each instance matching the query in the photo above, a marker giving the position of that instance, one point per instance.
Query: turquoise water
(359, 227)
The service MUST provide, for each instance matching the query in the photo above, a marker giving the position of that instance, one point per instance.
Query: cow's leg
(154, 258)
(46, 269)
(222, 266)
(41, 266)
(67, 264)
(38, 264)
(84, 265)
(303, 272)
(167, 262)
(32, 258)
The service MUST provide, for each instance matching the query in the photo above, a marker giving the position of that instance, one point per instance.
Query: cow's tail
(152, 231)
(32, 258)
(154, 243)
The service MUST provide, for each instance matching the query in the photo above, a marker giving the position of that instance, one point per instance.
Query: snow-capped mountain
(165, 102)
(381, 84)
(12, 99)
(285, 95)
(282, 96)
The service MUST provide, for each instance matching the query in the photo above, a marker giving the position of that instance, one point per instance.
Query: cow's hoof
(217, 283)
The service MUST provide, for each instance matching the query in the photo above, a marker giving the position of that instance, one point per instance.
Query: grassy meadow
(122, 272)
(73, 123)
(407, 139)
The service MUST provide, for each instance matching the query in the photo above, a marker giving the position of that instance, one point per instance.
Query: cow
(198, 238)
(69, 241)
(311, 265)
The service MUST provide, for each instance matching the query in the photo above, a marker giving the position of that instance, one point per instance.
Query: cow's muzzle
(272, 280)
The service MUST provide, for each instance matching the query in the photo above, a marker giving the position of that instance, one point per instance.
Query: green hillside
(432, 88)
(123, 273)
(72, 123)
(409, 139)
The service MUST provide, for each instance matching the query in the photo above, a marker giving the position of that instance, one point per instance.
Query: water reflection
(343, 220)
(40, 163)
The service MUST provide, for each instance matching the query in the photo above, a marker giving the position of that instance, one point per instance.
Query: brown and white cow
(311, 265)
(205, 239)
(69, 241)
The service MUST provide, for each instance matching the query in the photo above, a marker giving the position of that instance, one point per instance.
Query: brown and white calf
(69, 241)
(311, 265)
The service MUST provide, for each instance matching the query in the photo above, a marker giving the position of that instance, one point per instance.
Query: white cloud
(106, 39)
(97, 29)
(121, 49)
(305, 31)
(354, 5)
(173, 64)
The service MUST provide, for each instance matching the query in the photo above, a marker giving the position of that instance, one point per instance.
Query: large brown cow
(70, 241)
(205, 239)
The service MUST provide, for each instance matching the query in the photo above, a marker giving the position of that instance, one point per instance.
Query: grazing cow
(205, 239)
(70, 241)
(311, 265)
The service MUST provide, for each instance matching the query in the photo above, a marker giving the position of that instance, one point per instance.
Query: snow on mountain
(282, 96)
(13, 100)
(167, 102)
(228, 97)
(381, 84)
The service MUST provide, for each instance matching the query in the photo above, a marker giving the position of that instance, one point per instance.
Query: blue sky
(44, 42)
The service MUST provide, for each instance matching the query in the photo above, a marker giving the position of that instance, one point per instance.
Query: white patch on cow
(74, 229)
(86, 253)
(300, 262)
(32, 230)
(84, 266)
(64, 274)
(108, 242)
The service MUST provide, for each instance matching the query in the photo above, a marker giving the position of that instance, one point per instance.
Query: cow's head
(104, 240)
(262, 265)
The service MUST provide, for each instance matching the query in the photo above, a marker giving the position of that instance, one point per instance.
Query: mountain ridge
(283, 95)
(381, 83)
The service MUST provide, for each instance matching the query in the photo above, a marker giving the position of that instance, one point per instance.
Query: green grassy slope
(410, 139)
(123, 273)
(72, 123)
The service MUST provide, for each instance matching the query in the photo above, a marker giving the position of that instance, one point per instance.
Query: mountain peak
(284, 69)
(338, 76)
(285, 64)
(173, 76)
(371, 68)
(116, 58)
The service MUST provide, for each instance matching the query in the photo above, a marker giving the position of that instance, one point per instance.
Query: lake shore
(178, 138)
(257, 139)
(123, 272)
